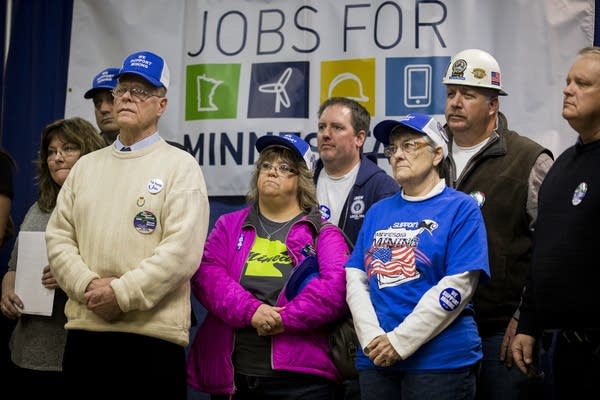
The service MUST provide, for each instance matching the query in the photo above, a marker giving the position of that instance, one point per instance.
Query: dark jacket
(562, 290)
(499, 176)
(372, 184)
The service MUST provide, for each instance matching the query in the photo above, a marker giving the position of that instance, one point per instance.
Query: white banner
(242, 69)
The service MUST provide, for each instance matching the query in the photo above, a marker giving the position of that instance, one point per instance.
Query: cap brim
(90, 93)
(151, 80)
(383, 129)
(271, 140)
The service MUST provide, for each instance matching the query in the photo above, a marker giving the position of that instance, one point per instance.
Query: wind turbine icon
(281, 96)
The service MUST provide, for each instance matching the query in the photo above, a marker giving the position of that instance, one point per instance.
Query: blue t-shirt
(407, 247)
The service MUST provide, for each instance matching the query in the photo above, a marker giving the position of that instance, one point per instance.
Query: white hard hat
(474, 67)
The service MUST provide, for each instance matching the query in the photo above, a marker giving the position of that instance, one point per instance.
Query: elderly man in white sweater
(124, 239)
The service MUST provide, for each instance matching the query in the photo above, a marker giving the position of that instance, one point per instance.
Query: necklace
(270, 234)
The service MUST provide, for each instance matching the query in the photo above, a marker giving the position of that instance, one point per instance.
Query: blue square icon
(414, 84)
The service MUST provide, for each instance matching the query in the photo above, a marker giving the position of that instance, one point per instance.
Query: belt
(585, 339)
(581, 336)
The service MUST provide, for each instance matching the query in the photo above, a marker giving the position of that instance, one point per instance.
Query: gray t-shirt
(38, 342)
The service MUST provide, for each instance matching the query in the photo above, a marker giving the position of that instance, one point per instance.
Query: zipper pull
(308, 250)
(240, 241)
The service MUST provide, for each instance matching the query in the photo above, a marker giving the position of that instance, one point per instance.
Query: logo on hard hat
(479, 73)
(458, 69)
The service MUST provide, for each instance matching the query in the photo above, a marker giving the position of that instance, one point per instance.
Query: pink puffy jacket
(303, 347)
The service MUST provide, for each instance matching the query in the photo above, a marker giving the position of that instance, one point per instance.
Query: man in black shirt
(560, 303)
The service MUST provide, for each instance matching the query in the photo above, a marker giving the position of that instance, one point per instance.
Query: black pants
(33, 384)
(113, 365)
(576, 365)
(292, 386)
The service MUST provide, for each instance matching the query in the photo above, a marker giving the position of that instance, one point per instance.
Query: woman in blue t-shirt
(418, 260)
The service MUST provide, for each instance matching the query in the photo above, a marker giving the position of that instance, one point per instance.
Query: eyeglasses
(138, 94)
(408, 147)
(282, 169)
(69, 150)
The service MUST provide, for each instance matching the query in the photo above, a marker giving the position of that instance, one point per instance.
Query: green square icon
(211, 91)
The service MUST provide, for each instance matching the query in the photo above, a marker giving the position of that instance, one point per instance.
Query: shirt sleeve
(365, 319)
(428, 318)
(536, 176)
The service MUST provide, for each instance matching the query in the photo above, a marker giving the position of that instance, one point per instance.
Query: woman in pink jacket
(254, 342)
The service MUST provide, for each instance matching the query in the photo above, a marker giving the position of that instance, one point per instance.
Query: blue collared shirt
(147, 141)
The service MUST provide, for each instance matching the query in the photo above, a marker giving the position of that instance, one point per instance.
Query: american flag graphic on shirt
(394, 261)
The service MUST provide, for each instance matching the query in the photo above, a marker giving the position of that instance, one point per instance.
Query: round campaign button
(155, 185)
(449, 299)
(325, 212)
(479, 197)
(579, 193)
(144, 222)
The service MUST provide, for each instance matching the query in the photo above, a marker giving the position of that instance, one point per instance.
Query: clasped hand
(381, 352)
(100, 298)
(267, 320)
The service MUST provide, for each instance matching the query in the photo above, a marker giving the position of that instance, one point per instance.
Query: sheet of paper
(28, 282)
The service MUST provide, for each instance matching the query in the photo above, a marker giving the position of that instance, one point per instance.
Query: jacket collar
(313, 219)
(366, 170)
(496, 145)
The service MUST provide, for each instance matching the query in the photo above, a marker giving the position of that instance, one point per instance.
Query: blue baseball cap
(301, 276)
(149, 66)
(292, 142)
(106, 79)
(419, 123)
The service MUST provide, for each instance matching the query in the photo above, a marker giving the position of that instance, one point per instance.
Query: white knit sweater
(92, 234)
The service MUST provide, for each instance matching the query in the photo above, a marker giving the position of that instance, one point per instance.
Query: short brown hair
(361, 119)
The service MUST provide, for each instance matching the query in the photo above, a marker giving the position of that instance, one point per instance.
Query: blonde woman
(254, 342)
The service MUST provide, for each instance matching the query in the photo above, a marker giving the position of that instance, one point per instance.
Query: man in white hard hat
(502, 171)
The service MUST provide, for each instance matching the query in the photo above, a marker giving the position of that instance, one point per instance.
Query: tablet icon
(417, 87)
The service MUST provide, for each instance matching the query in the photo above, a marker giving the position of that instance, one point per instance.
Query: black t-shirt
(266, 272)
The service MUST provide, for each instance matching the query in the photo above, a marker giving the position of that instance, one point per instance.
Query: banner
(243, 69)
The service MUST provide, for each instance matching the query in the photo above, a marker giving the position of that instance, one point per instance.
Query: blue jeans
(291, 387)
(498, 382)
(384, 385)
